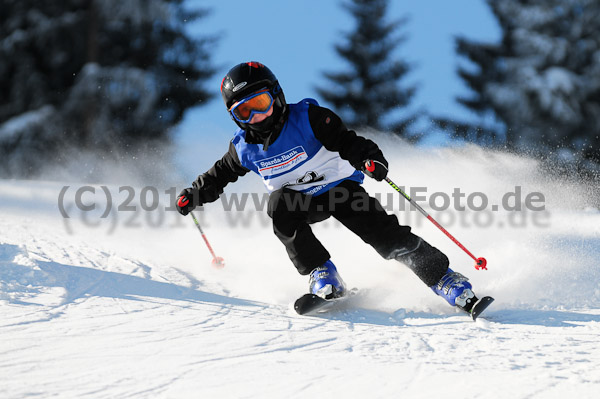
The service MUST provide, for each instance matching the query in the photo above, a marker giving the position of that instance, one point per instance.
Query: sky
(296, 40)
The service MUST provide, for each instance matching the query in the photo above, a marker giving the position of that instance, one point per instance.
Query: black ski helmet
(247, 78)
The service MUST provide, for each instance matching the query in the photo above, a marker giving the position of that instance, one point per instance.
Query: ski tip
(308, 303)
(480, 306)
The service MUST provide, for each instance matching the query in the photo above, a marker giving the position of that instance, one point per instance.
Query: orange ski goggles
(257, 103)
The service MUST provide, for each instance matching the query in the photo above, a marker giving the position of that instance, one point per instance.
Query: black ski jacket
(327, 127)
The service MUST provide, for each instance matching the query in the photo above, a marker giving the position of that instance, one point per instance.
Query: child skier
(313, 167)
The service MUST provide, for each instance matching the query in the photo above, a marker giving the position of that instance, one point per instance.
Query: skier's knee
(410, 244)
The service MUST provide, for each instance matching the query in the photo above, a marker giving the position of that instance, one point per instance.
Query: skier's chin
(262, 129)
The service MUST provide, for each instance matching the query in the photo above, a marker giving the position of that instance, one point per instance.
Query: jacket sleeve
(333, 134)
(226, 170)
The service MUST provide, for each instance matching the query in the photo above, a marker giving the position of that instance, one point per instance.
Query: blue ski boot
(326, 283)
(456, 290)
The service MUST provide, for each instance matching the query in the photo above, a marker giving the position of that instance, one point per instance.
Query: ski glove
(376, 168)
(187, 200)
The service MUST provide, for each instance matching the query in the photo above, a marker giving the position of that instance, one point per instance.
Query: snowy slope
(129, 306)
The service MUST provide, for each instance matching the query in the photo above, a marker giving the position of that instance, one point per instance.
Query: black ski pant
(293, 212)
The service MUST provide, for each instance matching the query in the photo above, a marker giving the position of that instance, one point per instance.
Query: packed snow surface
(124, 303)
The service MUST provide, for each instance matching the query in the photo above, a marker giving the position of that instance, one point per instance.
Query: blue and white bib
(296, 159)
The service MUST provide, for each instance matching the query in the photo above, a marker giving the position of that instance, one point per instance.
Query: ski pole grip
(183, 201)
(370, 166)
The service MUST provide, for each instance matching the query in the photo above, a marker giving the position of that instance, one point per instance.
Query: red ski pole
(480, 263)
(217, 261)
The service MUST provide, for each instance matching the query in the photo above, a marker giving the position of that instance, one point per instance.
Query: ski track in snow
(140, 314)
